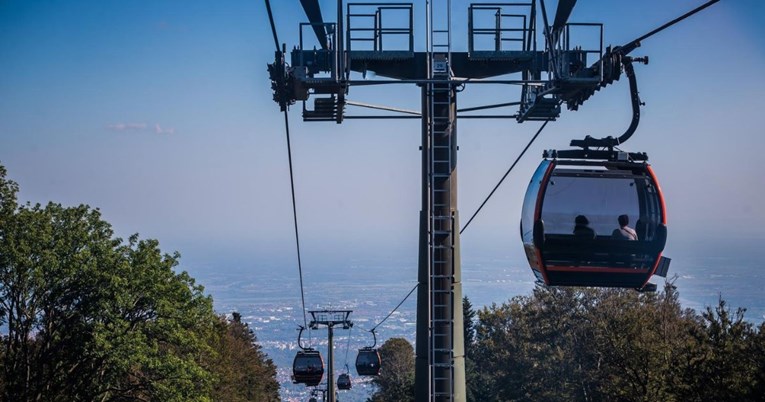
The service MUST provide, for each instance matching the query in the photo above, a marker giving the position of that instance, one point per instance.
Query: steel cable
(503, 177)
(394, 309)
(292, 179)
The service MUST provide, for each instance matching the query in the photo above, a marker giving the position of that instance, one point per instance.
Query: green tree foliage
(758, 388)
(573, 344)
(726, 359)
(532, 338)
(396, 380)
(468, 320)
(566, 344)
(471, 371)
(92, 318)
(244, 372)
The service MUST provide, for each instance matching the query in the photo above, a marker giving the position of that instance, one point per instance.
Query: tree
(468, 322)
(758, 351)
(471, 372)
(90, 317)
(243, 371)
(723, 364)
(396, 380)
(615, 344)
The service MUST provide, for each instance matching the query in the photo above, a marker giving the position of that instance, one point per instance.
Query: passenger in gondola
(624, 232)
(582, 228)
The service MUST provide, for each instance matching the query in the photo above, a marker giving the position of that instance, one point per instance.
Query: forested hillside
(87, 316)
(573, 344)
(614, 345)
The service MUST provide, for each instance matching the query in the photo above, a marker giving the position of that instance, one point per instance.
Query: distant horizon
(699, 281)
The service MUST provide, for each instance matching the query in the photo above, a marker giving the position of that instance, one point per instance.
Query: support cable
(506, 173)
(273, 26)
(294, 216)
(348, 346)
(395, 308)
(292, 180)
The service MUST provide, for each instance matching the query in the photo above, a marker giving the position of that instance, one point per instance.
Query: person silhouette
(624, 232)
(582, 228)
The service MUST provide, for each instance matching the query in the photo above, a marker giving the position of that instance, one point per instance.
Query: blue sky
(160, 114)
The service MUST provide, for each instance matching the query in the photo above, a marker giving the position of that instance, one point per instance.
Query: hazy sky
(160, 114)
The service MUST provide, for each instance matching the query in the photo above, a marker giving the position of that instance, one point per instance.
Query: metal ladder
(441, 214)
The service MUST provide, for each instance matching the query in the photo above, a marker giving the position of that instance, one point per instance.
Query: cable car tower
(330, 319)
(561, 72)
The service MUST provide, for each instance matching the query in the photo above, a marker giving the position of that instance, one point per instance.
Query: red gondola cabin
(570, 223)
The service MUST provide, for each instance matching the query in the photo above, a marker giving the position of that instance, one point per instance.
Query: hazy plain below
(268, 297)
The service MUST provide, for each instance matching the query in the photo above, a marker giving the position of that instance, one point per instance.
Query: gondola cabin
(344, 381)
(594, 223)
(308, 368)
(368, 361)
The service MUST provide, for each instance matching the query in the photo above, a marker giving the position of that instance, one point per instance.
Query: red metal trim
(538, 215)
(663, 218)
(661, 194)
(653, 271)
(541, 266)
(599, 269)
(542, 189)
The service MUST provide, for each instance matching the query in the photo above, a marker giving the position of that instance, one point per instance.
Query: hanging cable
(273, 26)
(503, 177)
(348, 346)
(394, 309)
(292, 180)
(294, 216)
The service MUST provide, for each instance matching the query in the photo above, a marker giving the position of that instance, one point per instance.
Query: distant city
(269, 300)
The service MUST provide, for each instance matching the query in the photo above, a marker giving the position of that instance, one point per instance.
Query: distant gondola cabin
(308, 368)
(368, 362)
(571, 226)
(344, 381)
